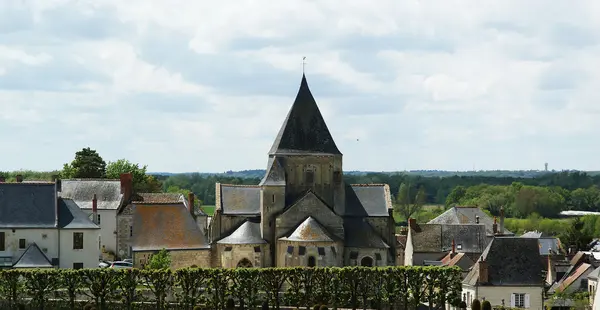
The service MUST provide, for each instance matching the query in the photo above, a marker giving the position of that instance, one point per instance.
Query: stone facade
(179, 258)
(124, 233)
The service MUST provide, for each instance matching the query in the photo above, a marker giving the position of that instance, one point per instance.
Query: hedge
(248, 288)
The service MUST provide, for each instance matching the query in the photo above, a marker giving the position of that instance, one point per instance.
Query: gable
(309, 205)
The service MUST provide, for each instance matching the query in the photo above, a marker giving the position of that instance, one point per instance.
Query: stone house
(303, 213)
(169, 226)
(592, 280)
(473, 215)
(509, 273)
(431, 242)
(460, 260)
(40, 229)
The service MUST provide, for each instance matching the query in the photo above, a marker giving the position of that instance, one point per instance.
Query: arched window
(244, 263)
(366, 261)
(312, 262)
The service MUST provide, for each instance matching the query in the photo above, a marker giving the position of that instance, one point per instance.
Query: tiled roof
(582, 270)
(240, 199)
(159, 197)
(310, 231)
(33, 257)
(467, 215)
(108, 192)
(470, 238)
(70, 216)
(459, 259)
(165, 226)
(275, 174)
(28, 205)
(359, 234)
(368, 200)
(304, 129)
(511, 261)
(247, 233)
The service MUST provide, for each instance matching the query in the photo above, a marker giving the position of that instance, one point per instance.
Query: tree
(142, 182)
(87, 164)
(407, 206)
(455, 196)
(160, 260)
(575, 236)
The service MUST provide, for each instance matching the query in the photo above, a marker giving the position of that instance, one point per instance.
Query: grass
(209, 210)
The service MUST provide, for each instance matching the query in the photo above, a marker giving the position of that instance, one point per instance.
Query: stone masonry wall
(124, 240)
(179, 258)
(310, 206)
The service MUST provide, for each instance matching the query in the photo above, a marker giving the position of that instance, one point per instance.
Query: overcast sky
(205, 85)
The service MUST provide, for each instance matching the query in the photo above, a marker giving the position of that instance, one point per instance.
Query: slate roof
(368, 200)
(108, 192)
(71, 217)
(304, 129)
(511, 261)
(469, 238)
(247, 233)
(33, 257)
(165, 226)
(467, 215)
(310, 231)
(275, 174)
(30, 205)
(159, 197)
(240, 199)
(360, 234)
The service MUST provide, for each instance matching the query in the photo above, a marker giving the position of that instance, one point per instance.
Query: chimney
(57, 181)
(126, 186)
(19, 178)
(453, 248)
(477, 219)
(95, 209)
(495, 226)
(483, 271)
(502, 220)
(191, 203)
(412, 223)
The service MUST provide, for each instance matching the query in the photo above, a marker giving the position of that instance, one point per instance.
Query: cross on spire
(303, 63)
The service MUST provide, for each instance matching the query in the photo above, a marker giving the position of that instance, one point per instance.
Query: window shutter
(526, 300)
(512, 300)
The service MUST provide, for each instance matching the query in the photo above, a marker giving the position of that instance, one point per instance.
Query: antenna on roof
(303, 63)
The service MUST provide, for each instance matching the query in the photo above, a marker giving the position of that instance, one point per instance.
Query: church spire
(304, 129)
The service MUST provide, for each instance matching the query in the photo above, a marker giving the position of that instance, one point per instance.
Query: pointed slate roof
(33, 257)
(310, 231)
(304, 129)
(70, 216)
(247, 233)
(275, 174)
(360, 234)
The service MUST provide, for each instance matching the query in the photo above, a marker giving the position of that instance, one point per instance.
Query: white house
(509, 273)
(112, 196)
(34, 220)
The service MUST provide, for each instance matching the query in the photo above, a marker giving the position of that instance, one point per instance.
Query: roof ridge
(368, 184)
(241, 185)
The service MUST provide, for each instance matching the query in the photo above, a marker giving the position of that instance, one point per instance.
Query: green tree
(160, 260)
(455, 196)
(405, 204)
(585, 199)
(87, 164)
(142, 182)
(575, 236)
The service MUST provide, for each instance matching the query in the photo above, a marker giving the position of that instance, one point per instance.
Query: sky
(185, 86)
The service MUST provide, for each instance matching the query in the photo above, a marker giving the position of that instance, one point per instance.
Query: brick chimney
(412, 223)
(126, 186)
(453, 248)
(502, 220)
(483, 271)
(191, 199)
(19, 178)
(495, 226)
(95, 209)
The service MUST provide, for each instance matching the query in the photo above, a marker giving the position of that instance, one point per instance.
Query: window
(337, 177)
(77, 241)
(301, 250)
(2, 241)
(98, 219)
(22, 243)
(244, 263)
(366, 261)
(519, 300)
(312, 262)
(130, 231)
(353, 255)
(273, 198)
(377, 256)
(290, 249)
(309, 176)
(256, 249)
(321, 251)
(77, 265)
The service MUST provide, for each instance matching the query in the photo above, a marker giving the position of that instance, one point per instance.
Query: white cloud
(200, 85)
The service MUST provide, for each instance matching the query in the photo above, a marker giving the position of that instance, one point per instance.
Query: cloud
(205, 86)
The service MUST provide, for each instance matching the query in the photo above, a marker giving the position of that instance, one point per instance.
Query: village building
(303, 213)
(38, 229)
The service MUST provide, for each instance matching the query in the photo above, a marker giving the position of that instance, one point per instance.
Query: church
(303, 213)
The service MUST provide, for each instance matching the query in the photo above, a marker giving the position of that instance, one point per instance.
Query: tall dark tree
(87, 164)
(575, 236)
(407, 204)
(142, 183)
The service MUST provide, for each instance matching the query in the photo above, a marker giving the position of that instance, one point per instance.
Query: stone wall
(230, 256)
(309, 206)
(124, 230)
(355, 256)
(179, 258)
(333, 254)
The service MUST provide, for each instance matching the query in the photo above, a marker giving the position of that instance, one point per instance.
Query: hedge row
(189, 288)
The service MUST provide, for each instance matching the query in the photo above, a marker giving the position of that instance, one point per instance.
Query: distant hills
(259, 173)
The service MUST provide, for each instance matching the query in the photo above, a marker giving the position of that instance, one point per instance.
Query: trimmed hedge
(190, 288)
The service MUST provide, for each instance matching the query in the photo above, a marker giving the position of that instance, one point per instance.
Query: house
(548, 246)
(112, 196)
(303, 190)
(473, 215)
(172, 227)
(40, 229)
(125, 216)
(557, 267)
(509, 273)
(592, 283)
(596, 300)
(460, 260)
(431, 242)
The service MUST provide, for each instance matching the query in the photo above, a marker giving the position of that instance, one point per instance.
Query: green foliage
(142, 183)
(486, 305)
(407, 202)
(87, 164)
(575, 236)
(476, 304)
(160, 260)
(323, 307)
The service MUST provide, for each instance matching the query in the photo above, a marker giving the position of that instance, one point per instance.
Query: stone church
(303, 213)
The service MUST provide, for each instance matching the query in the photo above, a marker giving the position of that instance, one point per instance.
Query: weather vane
(303, 63)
